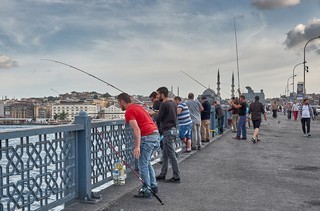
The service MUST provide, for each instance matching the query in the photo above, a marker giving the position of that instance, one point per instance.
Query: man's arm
(137, 138)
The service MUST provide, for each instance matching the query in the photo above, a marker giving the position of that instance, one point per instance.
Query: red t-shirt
(145, 123)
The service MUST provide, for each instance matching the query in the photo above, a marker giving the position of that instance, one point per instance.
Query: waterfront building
(22, 110)
(71, 109)
(113, 112)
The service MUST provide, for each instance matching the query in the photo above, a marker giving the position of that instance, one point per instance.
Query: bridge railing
(45, 167)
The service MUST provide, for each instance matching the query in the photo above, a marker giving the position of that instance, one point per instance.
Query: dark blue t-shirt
(205, 114)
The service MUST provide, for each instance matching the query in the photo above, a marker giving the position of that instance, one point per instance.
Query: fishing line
(89, 74)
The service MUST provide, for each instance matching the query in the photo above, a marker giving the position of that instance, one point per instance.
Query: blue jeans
(169, 152)
(242, 127)
(148, 145)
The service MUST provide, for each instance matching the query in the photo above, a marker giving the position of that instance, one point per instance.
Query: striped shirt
(184, 117)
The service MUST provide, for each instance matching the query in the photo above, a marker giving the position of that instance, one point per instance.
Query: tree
(63, 115)
(106, 95)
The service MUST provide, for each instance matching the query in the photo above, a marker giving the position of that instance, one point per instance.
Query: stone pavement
(282, 172)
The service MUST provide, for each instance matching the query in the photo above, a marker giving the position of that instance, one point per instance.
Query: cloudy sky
(140, 45)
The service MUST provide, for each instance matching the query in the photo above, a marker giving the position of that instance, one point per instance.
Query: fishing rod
(89, 74)
(128, 165)
(197, 81)
(194, 79)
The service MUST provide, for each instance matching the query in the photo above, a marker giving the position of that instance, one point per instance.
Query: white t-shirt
(295, 107)
(305, 111)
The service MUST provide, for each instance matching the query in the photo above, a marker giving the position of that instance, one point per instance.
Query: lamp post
(288, 83)
(304, 65)
(293, 78)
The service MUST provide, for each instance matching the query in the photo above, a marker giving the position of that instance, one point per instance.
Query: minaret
(218, 86)
(232, 86)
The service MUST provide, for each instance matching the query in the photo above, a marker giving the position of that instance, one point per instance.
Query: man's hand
(136, 152)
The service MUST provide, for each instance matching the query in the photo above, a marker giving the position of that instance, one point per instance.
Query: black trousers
(304, 122)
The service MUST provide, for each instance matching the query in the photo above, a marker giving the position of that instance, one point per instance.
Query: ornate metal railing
(45, 167)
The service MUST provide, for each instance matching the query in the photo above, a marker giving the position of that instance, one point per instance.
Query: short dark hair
(243, 97)
(233, 98)
(153, 95)
(190, 96)
(177, 98)
(256, 98)
(163, 90)
(203, 98)
(125, 97)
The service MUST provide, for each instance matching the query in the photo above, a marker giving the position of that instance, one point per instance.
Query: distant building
(73, 110)
(210, 95)
(22, 110)
(251, 94)
(113, 112)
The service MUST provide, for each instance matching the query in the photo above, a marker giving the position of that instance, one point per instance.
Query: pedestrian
(289, 109)
(146, 141)
(274, 108)
(242, 118)
(195, 109)
(167, 119)
(306, 114)
(219, 115)
(295, 109)
(255, 110)
(235, 115)
(185, 122)
(205, 120)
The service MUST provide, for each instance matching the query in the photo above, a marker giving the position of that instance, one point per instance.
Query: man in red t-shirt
(146, 140)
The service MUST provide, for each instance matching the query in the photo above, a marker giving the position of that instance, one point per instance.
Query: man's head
(162, 93)
(203, 98)
(256, 98)
(214, 103)
(124, 100)
(242, 98)
(190, 96)
(305, 101)
(153, 96)
(177, 99)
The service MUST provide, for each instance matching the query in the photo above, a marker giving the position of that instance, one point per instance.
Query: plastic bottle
(119, 173)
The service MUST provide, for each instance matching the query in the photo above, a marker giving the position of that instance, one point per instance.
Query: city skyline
(141, 45)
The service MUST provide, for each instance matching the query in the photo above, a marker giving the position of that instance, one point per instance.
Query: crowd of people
(190, 120)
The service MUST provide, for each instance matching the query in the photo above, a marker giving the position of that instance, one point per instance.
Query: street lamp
(293, 77)
(288, 83)
(304, 65)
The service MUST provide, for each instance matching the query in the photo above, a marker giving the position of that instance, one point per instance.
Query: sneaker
(160, 178)
(308, 135)
(253, 140)
(173, 180)
(199, 147)
(187, 151)
(237, 138)
(155, 189)
(258, 139)
(143, 194)
(244, 138)
(203, 141)
(193, 148)
(208, 140)
(305, 135)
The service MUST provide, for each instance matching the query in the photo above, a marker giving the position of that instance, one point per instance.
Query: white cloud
(7, 63)
(300, 34)
(273, 4)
